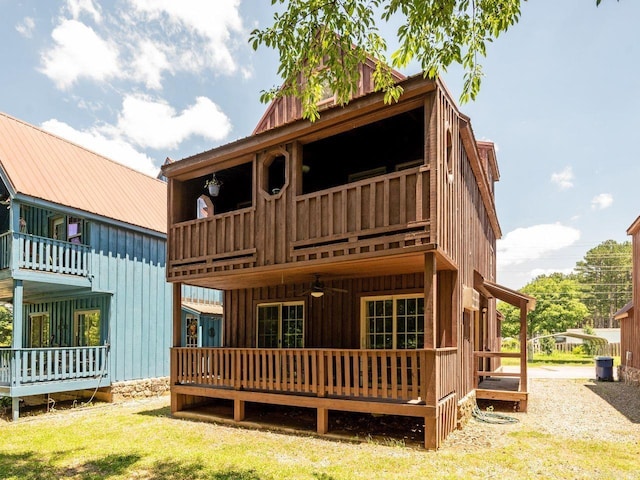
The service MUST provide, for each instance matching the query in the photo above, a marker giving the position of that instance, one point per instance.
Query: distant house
(629, 317)
(82, 261)
(357, 259)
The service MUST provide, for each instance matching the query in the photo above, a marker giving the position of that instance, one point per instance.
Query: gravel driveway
(566, 402)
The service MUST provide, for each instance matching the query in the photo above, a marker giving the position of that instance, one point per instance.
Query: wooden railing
(213, 237)
(366, 207)
(43, 254)
(393, 375)
(481, 372)
(32, 365)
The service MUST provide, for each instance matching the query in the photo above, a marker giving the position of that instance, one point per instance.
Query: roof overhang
(512, 297)
(583, 336)
(635, 226)
(202, 308)
(624, 312)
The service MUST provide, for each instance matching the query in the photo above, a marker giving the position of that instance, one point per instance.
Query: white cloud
(26, 27)
(536, 272)
(216, 22)
(150, 63)
(602, 201)
(79, 52)
(113, 148)
(564, 178)
(154, 123)
(530, 243)
(143, 40)
(76, 7)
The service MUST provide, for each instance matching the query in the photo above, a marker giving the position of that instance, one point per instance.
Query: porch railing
(44, 254)
(392, 375)
(33, 365)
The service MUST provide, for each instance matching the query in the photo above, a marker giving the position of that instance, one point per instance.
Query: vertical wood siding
(630, 327)
(464, 232)
(332, 321)
(131, 266)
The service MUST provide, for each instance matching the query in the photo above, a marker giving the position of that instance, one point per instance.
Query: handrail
(393, 375)
(50, 255)
(24, 366)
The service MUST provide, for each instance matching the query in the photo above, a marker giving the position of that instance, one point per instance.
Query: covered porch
(419, 383)
(490, 380)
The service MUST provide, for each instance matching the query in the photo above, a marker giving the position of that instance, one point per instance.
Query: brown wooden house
(629, 317)
(357, 259)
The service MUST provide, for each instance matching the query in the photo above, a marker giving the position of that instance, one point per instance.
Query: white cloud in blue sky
(563, 179)
(26, 27)
(530, 243)
(602, 201)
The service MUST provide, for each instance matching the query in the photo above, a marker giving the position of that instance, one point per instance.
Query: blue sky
(140, 80)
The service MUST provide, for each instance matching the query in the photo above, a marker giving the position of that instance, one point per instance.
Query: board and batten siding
(630, 327)
(130, 266)
(332, 321)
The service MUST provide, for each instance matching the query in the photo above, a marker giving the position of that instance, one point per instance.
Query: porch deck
(500, 385)
(419, 383)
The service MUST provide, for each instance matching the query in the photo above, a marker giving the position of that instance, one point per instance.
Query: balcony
(41, 254)
(386, 213)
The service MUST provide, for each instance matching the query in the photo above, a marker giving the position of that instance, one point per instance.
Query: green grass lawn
(558, 358)
(141, 441)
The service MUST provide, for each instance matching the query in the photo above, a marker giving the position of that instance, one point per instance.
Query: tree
(323, 41)
(605, 277)
(558, 306)
(6, 326)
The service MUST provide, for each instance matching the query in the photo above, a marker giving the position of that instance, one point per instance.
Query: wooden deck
(419, 383)
(500, 385)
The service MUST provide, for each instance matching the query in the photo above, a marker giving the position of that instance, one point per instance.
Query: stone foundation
(146, 387)
(465, 408)
(629, 374)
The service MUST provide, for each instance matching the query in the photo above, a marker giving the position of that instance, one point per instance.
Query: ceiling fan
(318, 288)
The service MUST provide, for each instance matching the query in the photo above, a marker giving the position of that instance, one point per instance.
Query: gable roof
(44, 166)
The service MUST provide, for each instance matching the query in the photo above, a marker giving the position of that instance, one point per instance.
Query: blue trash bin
(604, 369)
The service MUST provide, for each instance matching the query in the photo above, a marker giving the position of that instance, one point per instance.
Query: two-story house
(357, 259)
(82, 262)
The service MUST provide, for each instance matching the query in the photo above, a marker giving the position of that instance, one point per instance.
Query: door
(281, 325)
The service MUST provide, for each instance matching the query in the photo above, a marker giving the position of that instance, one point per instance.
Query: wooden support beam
(524, 384)
(323, 420)
(430, 433)
(430, 299)
(238, 410)
(177, 314)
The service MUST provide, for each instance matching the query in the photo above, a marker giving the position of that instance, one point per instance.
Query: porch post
(16, 344)
(430, 296)
(524, 385)
(177, 314)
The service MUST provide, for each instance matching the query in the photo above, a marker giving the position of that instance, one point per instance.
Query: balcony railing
(387, 375)
(43, 254)
(27, 366)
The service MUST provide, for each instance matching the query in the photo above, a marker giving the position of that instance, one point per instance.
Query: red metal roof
(42, 165)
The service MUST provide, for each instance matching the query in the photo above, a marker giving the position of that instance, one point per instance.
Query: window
(281, 325)
(204, 207)
(39, 330)
(393, 322)
(67, 229)
(86, 328)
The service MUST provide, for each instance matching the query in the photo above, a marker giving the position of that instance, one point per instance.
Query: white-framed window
(280, 325)
(393, 322)
(39, 330)
(86, 328)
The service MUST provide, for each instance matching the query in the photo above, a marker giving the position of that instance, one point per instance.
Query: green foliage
(547, 344)
(323, 41)
(558, 306)
(605, 278)
(6, 326)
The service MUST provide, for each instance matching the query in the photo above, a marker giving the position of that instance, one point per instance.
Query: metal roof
(44, 166)
(204, 308)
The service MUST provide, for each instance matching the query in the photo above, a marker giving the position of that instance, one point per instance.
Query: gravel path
(565, 407)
